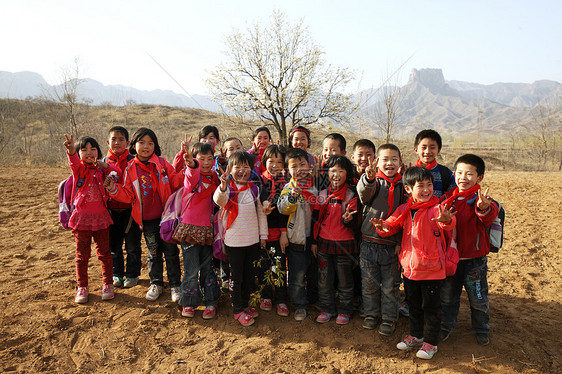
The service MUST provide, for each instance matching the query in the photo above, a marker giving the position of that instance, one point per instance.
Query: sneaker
(427, 351)
(176, 293)
(404, 310)
(154, 292)
(282, 310)
(131, 282)
(370, 323)
(409, 342)
(324, 317)
(300, 314)
(482, 339)
(266, 305)
(107, 292)
(210, 312)
(188, 311)
(342, 319)
(444, 335)
(252, 312)
(81, 295)
(387, 328)
(117, 281)
(244, 319)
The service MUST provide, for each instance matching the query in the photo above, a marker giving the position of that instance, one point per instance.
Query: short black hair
(260, 129)
(390, 146)
(273, 150)
(473, 160)
(294, 153)
(241, 157)
(203, 148)
(428, 133)
(364, 143)
(141, 133)
(339, 138)
(344, 163)
(416, 174)
(301, 129)
(231, 139)
(207, 130)
(121, 130)
(83, 141)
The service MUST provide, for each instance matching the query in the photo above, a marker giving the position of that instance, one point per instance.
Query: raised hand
(348, 214)
(188, 151)
(378, 224)
(484, 200)
(403, 167)
(371, 169)
(186, 143)
(224, 178)
(222, 156)
(268, 207)
(69, 144)
(296, 191)
(445, 215)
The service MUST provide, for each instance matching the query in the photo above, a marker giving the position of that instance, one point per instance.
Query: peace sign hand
(188, 151)
(484, 201)
(445, 215)
(222, 156)
(268, 207)
(371, 169)
(348, 214)
(378, 224)
(224, 178)
(69, 144)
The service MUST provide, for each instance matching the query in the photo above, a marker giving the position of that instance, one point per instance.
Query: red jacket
(121, 162)
(422, 255)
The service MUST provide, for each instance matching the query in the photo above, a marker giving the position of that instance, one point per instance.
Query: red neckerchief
(209, 178)
(309, 196)
(456, 194)
(428, 166)
(118, 159)
(279, 181)
(232, 205)
(150, 172)
(413, 206)
(392, 183)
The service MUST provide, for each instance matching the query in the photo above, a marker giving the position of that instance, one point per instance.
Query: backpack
(66, 198)
(448, 243)
(495, 231)
(445, 177)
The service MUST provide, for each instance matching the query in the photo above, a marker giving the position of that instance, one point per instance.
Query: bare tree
(275, 74)
(387, 110)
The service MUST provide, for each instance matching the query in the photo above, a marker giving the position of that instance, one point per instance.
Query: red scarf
(309, 196)
(279, 181)
(232, 205)
(448, 202)
(118, 159)
(338, 194)
(211, 179)
(392, 183)
(428, 166)
(413, 206)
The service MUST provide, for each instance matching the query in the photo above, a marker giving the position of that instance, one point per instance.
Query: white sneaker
(154, 292)
(176, 293)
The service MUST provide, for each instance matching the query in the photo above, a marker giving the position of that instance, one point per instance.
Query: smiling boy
(363, 153)
(427, 146)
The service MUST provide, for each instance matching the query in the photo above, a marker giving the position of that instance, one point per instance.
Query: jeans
(381, 281)
(132, 244)
(303, 276)
(280, 295)
(328, 266)
(472, 274)
(424, 301)
(84, 251)
(242, 274)
(156, 248)
(198, 276)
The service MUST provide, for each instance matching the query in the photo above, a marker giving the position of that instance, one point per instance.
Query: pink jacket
(422, 255)
(201, 213)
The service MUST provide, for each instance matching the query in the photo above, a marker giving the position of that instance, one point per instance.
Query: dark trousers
(156, 248)
(242, 274)
(424, 301)
(132, 239)
(275, 256)
(330, 265)
(303, 275)
(198, 276)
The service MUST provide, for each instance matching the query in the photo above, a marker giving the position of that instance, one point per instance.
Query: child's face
(422, 191)
(88, 154)
(241, 173)
(300, 140)
(144, 148)
(275, 165)
(389, 162)
(206, 162)
(211, 139)
(299, 168)
(362, 155)
(337, 176)
(466, 176)
(117, 143)
(331, 147)
(261, 141)
(232, 146)
(427, 150)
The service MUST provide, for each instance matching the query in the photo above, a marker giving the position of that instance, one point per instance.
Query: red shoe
(252, 312)
(244, 319)
(210, 312)
(266, 305)
(282, 310)
(188, 311)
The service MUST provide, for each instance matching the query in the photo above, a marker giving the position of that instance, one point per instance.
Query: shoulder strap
(445, 177)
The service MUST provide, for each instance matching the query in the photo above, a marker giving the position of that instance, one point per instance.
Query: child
(427, 145)
(381, 191)
(246, 230)
(260, 141)
(230, 146)
(124, 227)
(334, 240)
(273, 181)
(363, 155)
(90, 218)
(475, 213)
(149, 181)
(332, 145)
(195, 232)
(297, 200)
(208, 134)
(299, 137)
(422, 257)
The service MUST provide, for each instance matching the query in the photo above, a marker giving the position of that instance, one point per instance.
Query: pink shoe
(244, 319)
(107, 292)
(282, 310)
(210, 312)
(266, 305)
(188, 311)
(81, 295)
(252, 312)
(342, 319)
(324, 317)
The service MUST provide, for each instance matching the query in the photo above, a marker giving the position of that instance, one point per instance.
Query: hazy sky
(478, 41)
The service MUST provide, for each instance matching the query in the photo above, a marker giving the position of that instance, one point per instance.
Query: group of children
(338, 229)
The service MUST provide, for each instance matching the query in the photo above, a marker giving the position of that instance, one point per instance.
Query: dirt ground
(42, 329)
